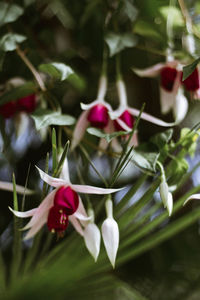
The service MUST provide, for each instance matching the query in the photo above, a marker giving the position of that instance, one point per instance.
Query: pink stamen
(98, 116)
(57, 219)
(68, 199)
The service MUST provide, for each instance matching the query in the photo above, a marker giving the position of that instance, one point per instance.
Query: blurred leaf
(179, 167)
(145, 160)
(59, 9)
(10, 40)
(161, 139)
(19, 92)
(175, 13)
(189, 69)
(57, 70)
(89, 11)
(54, 149)
(28, 2)
(2, 56)
(130, 10)
(45, 117)
(9, 12)
(147, 29)
(118, 42)
(108, 137)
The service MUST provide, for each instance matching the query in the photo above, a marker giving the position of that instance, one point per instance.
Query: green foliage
(118, 42)
(145, 160)
(189, 69)
(9, 13)
(9, 41)
(46, 117)
(18, 92)
(108, 137)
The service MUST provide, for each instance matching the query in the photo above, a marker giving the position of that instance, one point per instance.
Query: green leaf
(108, 137)
(189, 69)
(147, 29)
(19, 92)
(118, 42)
(130, 10)
(45, 117)
(54, 149)
(145, 160)
(9, 12)
(10, 40)
(177, 17)
(57, 70)
(161, 139)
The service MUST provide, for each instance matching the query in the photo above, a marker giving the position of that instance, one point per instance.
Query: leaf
(189, 69)
(147, 29)
(54, 149)
(45, 117)
(175, 13)
(145, 160)
(118, 42)
(161, 139)
(10, 40)
(130, 10)
(57, 70)
(108, 137)
(19, 92)
(9, 12)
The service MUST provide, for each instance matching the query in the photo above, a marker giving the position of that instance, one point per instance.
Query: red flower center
(127, 118)
(8, 110)
(167, 77)
(98, 116)
(68, 199)
(57, 219)
(192, 82)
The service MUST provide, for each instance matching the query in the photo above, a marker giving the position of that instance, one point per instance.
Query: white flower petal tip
(169, 204)
(149, 72)
(92, 239)
(180, 107)
(87, 189)
(164, 191)
(23, 214)
(110, 234)
(193, 197)
(81, 217)
(80, 129)
(55, 182)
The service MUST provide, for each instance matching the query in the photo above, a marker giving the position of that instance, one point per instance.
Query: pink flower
(171, 93)
(27, 104)
(8, 110)
(61, 204)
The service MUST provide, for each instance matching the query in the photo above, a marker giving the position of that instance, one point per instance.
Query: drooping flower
(171, 93)
(95, 113)
(63, 197)
(166, 197)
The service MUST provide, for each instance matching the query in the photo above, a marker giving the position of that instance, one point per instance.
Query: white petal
(180, 107)
(123, 125)
(81, 217)
(121, 88)
(76, 224)
(192, 197)
(34, 229)
(164, 191)
(23, 214)
(65, 171)
(149, 118)
(87, 189)
(116, 146)
(55, 182)
(102, 88)
(134, 140)
(117, 113)
(90, 105)
(21, 123)
(92, 239)
(150, 72)
(42, 211)
(167, 100)
(80, 129)
(8, 186)
(169, 203)
(110, 234)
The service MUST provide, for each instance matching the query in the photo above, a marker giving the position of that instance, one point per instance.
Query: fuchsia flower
(171, 91)
(60, 205)
(26, 104)
(95, 114)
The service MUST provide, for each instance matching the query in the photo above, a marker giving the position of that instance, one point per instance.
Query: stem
(31, 68)
(161, 170)
(118, 67)
(122, 93)
(169, 29)
(102, 88)
(186, 16)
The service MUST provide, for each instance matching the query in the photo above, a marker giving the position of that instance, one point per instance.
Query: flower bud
(169, 203)
(66, 198)
(92, 239)
(167, 77)
(164, 192)
(127, 118)
(57, 219)
(27, 104)
(98, 116)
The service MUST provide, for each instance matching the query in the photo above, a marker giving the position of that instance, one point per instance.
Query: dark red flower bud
(27, 104)
(127, 118)
(8, 110)
(98, 116)
(57, 219)
(67, 198)
(167, 77)
(192, 82)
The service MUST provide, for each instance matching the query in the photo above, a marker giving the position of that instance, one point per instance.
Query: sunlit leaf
(118, 42)
(177, 17)
(108, 137)
(45, 117)
(9, 12)
(145, 160)
(10, 40)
